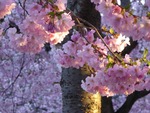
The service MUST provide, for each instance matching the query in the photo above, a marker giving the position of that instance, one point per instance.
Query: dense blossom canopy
(26, 69)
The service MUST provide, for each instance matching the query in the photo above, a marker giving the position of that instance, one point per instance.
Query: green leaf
(52, 14)
(148, 14)
(111, 30)
(51, 1)
(86, 70)
(111, 62)
(58, 14)
(110, 59)
(148, 62)
(127, 7)
(145, 53)
(109, 65)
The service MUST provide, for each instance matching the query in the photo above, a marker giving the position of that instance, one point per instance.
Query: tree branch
(107, 106)
(131, 99)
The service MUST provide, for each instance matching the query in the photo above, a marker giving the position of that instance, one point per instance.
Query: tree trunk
(75, 99)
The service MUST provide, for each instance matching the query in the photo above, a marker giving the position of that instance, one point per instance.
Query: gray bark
(75, 100)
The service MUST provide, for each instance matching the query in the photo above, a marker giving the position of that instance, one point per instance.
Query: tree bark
(107, 106)
(131, 99)
(75, 99)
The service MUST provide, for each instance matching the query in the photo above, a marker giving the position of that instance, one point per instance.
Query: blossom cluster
(41, 24)
(122, 21)
(6, 7)
(117, 80)
(117, 44)
(86, 49)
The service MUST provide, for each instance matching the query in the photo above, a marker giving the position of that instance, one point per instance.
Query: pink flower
(116, 9)
(6, 7)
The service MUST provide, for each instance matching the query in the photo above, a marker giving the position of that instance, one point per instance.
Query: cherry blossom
(6, 7)
(30, 76)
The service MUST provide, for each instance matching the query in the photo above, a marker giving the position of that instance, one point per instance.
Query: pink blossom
(6, 7)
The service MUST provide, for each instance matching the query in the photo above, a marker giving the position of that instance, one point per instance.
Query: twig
(19, 74)
(23, 7)
(99, 35)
